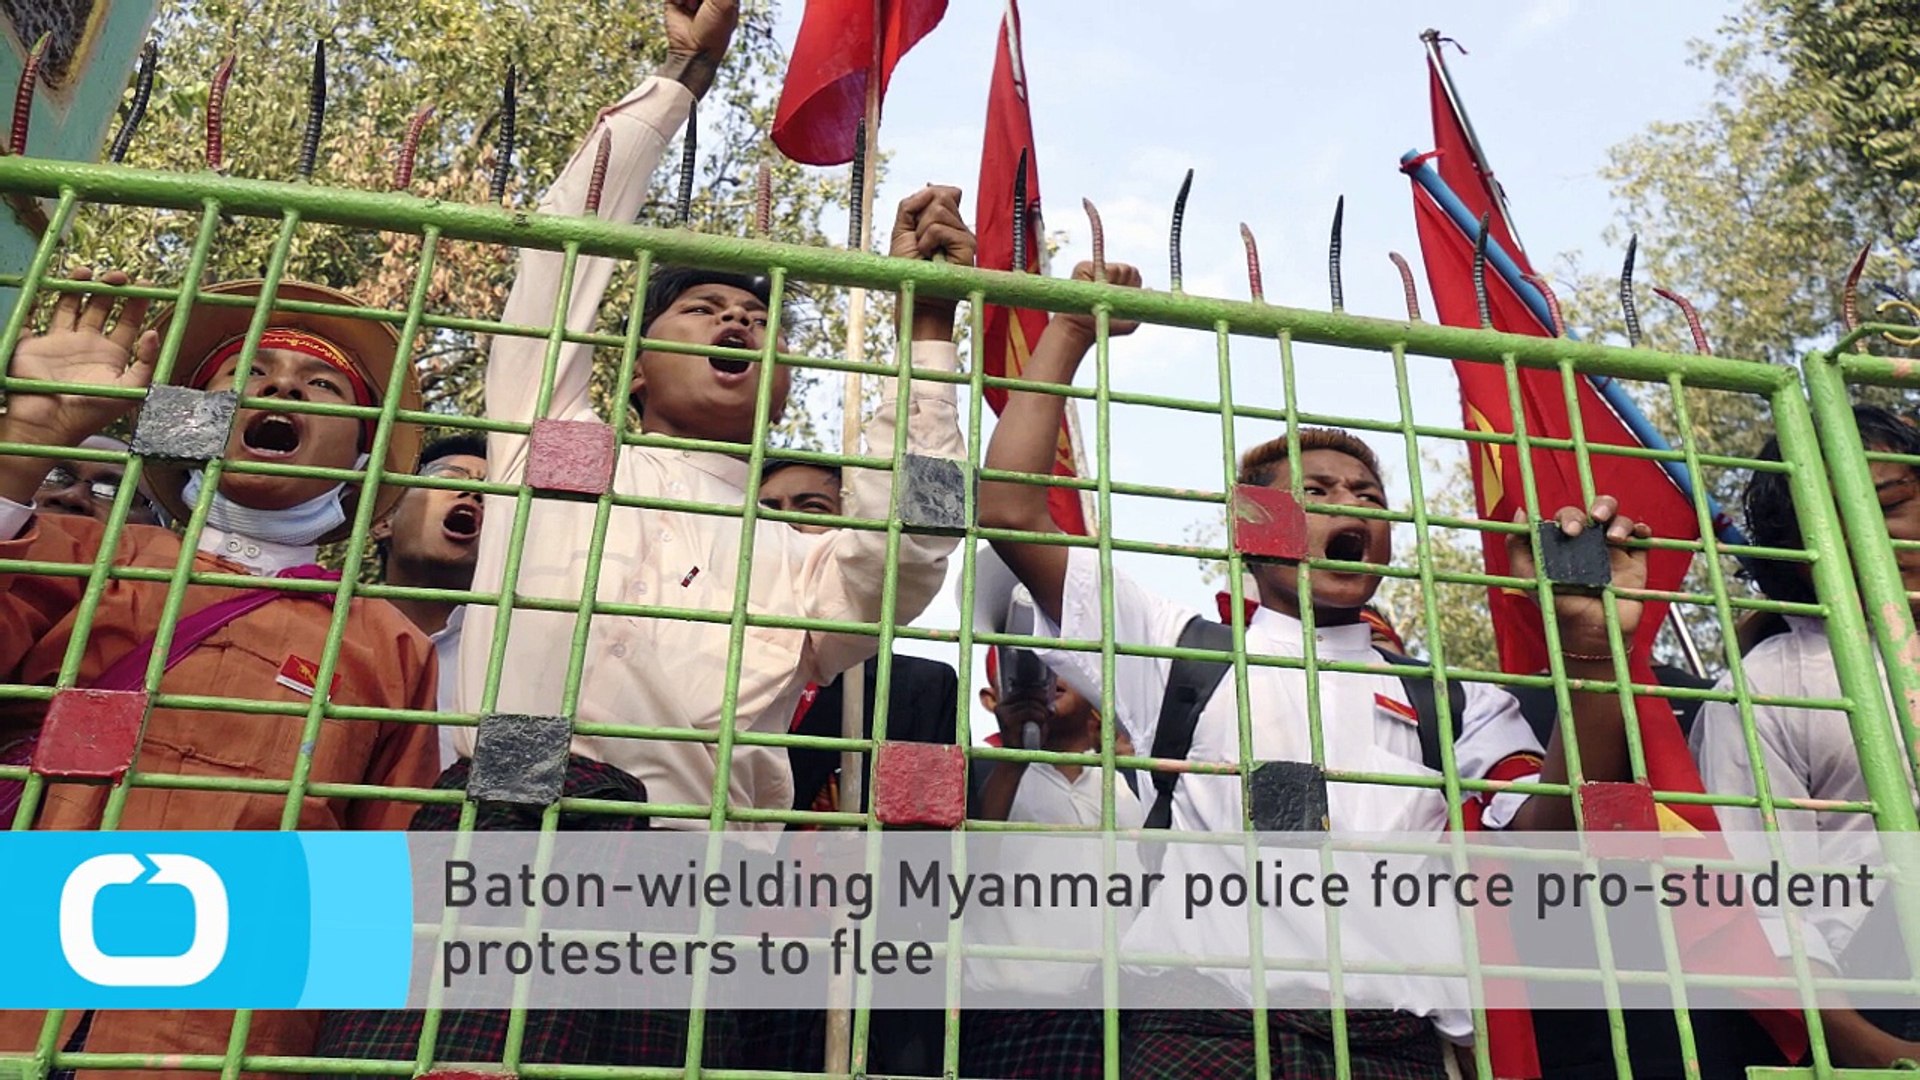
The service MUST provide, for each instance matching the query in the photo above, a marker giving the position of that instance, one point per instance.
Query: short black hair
(666, 283)
(458, 444)
(775, 465)
(1771, 520)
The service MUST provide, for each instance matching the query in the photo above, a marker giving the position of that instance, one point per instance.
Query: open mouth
(462, 523)
(272, 435)
(1348, 545)
(731, 339)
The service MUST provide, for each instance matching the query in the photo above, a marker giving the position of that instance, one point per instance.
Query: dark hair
(1260, 466)
(666, 283)
(458, 444)
(775, 465)
(1771, 520)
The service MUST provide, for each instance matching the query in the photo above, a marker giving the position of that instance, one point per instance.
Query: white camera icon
(210, 921)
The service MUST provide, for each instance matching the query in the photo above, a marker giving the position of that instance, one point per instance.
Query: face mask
(295, 526)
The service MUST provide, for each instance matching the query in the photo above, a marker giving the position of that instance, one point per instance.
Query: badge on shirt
(1399, 710)
(298, 674)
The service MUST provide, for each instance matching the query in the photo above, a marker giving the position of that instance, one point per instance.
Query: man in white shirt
(429, 541)
(657, 671)
(1810, 753)
(1365, 725)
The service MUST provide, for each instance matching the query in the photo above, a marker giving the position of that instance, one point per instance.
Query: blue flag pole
(1615, 395)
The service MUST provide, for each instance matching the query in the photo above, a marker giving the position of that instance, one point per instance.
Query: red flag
(1012, 333)
(1643, 488)
(825, 95)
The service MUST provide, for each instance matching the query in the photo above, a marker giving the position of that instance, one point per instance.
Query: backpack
(1191, 683)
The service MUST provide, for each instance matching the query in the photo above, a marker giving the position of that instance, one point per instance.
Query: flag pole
(853, 684)
(1432, 39)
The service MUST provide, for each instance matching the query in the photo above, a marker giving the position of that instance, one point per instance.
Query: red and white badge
(1397, 709)
(298, 674)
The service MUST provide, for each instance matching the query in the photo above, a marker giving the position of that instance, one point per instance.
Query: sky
(1280, 108)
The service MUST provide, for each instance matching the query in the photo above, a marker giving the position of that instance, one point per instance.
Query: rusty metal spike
(1700, 343)
(1406, 285)
(1099, 232)
(410, 147)
(216, 113)
(503, 160)
(1850, 297)
(1627, 306)
(1173, 235)
(689, 157)
(598, 180)
(857, 189)
(316, 111)
(1333, 257)
(1480, 273)
(763, 201)
(1254, 281)
(1019, 264)
(23, 96)
(1559, 326)
(137, 108)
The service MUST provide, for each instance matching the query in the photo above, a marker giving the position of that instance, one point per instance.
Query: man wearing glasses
(88, 488)
(429, 541)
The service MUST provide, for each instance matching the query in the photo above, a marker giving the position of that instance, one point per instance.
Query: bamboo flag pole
(853, 684)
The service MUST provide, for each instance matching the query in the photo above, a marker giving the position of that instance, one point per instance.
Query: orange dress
(384, 662)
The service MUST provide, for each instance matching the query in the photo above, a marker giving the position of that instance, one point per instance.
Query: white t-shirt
(1360, 732)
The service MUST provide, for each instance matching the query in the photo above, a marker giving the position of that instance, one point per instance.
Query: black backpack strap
(1190, 685)
(1427, 709)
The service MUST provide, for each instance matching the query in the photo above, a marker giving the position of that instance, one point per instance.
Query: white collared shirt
(1360, 733)
(1809, 754)
(260, 557)
(671, 673)
(446, 652)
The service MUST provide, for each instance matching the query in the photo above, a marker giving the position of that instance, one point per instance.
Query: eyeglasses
(452, 472)
(58, 478)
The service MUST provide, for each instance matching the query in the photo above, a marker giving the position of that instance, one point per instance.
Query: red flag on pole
(1012, 333)
(1643, 488)
(825, 93)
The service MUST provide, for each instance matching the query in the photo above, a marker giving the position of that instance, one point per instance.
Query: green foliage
(386, 60)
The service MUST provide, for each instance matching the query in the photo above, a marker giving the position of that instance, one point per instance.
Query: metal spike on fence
(1553, 303)
(857, 189)
(316, 111)
(410, 148)
(503, 160)
(216, 113)
(763, 201)
(1254, 282)
(1020, 214)
(1480, 273)
(597, 181)
(689, 156)
(1850, 296)
(1099, 232)
(1406, 285)
(1627, 306)
(137, 108)
(1173, 235)
(1700, 343)
(1334, 284)
(23, 95)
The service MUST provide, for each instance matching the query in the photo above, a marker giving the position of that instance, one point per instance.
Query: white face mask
(295, 526)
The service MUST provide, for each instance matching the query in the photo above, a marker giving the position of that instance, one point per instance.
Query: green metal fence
(1860, 595)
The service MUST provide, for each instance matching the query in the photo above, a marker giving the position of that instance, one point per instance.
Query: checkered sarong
(1197, 1044)
(1036, 1044)
(552, 1036)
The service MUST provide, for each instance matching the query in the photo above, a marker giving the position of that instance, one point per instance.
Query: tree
(386, 60)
